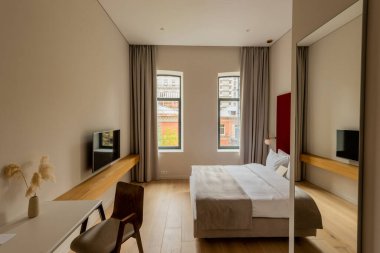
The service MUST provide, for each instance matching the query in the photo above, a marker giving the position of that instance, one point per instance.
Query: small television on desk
(105, 148)
(347, 144)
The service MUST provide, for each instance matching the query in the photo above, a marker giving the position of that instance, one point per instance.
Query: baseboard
(175, 176)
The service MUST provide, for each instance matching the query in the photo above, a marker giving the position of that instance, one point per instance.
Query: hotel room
(189, 126)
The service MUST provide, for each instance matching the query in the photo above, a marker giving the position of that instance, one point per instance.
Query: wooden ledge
(343, 169)
(95, 186)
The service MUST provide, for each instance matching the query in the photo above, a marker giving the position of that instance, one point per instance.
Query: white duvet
(268, 191)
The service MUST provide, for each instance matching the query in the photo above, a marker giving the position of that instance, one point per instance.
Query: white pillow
(288, 172)
(281, 171)
(282, 153)
(274, 160)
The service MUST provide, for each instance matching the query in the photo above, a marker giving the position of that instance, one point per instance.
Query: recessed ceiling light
(269, 41)
(162, 29)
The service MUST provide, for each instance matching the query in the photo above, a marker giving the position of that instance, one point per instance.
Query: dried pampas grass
(14, 170)
(11, 170)
(31, 191)
(36, 180)
(45, 172)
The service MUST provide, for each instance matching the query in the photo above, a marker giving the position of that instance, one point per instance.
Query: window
(169, 110)
(229, 111)
(222, 129)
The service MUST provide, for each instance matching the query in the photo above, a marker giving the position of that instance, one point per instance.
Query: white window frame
(174, 73)
(222, 126)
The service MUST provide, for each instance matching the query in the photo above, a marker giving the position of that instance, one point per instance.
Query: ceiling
(201, 22)
(340, 20)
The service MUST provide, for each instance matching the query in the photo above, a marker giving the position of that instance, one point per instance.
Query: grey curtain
(142, 60)
(255, 102)
(300, 127)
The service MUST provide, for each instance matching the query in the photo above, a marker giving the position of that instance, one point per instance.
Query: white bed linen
(268, 191)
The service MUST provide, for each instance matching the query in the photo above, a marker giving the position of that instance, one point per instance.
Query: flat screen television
(347, 144)
(105, 148)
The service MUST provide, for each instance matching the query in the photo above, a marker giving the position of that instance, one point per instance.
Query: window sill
(229, 150)
(170, 150)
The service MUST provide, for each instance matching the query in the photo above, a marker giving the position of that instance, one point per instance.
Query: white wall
(334, 102)
(280, 54)
(63, 74)
(200, 67)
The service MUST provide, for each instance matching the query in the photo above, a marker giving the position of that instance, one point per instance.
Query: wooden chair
(125, 222)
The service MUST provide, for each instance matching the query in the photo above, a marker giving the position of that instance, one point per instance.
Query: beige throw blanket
(306, 214)
(220, 202)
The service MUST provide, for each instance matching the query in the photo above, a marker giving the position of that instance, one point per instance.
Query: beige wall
(307, 17)
(200, 67)
(334, 101)
(371, 168)
(63, 74)
(280, 54)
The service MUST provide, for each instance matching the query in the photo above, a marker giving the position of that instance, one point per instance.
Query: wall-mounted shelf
(343, 169)
(95, 186)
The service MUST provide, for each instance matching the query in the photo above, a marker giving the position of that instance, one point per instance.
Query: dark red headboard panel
(283, 123)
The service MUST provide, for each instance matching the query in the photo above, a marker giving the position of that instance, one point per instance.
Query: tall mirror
(328, 83)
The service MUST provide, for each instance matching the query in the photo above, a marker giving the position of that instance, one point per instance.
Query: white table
(56, 221)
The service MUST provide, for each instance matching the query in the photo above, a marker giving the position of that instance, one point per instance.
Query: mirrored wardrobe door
(329, 65)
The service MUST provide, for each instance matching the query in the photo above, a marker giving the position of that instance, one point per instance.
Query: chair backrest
(129, 198)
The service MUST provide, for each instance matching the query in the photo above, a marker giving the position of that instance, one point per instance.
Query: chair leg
(83, 228)
(138, 240)
(101, 212)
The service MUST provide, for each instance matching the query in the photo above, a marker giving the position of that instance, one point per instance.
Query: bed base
(261, 227)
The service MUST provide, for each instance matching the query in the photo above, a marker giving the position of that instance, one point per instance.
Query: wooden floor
(168, 226)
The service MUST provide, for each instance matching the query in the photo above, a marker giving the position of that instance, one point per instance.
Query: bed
(248, 200)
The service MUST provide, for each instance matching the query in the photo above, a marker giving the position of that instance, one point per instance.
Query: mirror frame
(361, 128)
(361, 167)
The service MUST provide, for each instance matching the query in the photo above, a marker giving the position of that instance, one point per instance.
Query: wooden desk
(57, 220)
